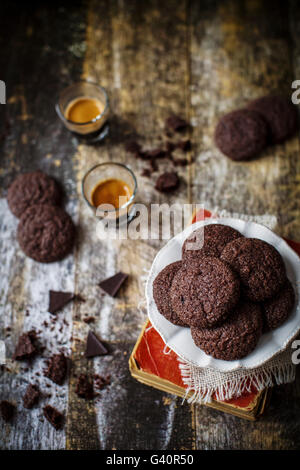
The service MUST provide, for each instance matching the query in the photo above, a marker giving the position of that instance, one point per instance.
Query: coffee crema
(110, 191)
(84, 110)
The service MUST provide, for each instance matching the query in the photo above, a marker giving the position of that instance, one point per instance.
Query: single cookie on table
(280, 115)
(209, 240)
(235, 338)
(29, 189)
(277, 310)
(204, 292)
(259, 265)
(46, 233)
(161, 292)
(241, 134)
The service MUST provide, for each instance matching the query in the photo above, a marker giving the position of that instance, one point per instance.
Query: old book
(150, 365)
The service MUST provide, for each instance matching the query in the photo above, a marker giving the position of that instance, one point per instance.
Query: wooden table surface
(194, 58)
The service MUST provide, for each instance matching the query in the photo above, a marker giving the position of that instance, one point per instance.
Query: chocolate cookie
(259, 265)
(161, 292)
(204, 292)
(280, 115)
(46, 233)
(236, 338)
(32, 188)
(276, 310)
(214, 238)
(241, 134)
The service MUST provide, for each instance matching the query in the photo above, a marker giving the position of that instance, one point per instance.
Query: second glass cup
(110, 189)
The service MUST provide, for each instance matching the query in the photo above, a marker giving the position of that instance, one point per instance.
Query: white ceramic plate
(179, 339)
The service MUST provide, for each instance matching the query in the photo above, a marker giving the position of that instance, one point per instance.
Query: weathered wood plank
(35, 139)
(130, 47)
(240, 51)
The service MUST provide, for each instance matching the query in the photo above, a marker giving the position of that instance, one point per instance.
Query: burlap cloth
(206, 382)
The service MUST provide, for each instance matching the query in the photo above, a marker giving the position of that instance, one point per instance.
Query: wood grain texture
(197, 59)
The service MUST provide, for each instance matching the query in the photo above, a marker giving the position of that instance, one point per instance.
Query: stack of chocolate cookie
(242, 134)
(46, 232)
(227, 288)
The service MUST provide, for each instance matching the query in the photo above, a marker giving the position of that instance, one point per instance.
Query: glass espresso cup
(84, 109)
(110, 189)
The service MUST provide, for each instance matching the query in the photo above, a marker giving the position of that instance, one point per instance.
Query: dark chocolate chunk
(167, 182)
(54, 416)
(176, 123)
(94, 347)
(26, 348)
(112, 285)
(57, 368)
(7, 410)
(32, 396)
(84, 387)
(156, 153)
(57, 300)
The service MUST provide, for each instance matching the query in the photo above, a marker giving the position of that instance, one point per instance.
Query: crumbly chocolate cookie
(204, 292)
(46, 233)
(236, 338)
(280, 115)
(161, 292)
(259, 265)
(212, 237)
(32, 188)
(241, 134)
(277, 310)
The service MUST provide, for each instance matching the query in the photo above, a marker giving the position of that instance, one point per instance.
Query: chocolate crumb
(57, 368)
(84, 387)
(7, 410)
(147, 172)
(176, 123)
(89, 320)
(54, 416)
(184, 145)
(100, 381)
(26, 348)
(32, 396)
(167, 182)
(133, 147)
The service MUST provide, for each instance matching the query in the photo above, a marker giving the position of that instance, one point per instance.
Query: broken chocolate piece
(101, 381)
(32, 396)
(84, 387)
(167, 182)
(156, 153)
(94, 347)
(112, 285)
(57, 368)
(54, 416)
(7, 410)
(57, 300)
(26, 348)
(176, 123)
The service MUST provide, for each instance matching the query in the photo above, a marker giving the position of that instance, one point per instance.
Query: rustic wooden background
(196, 58)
